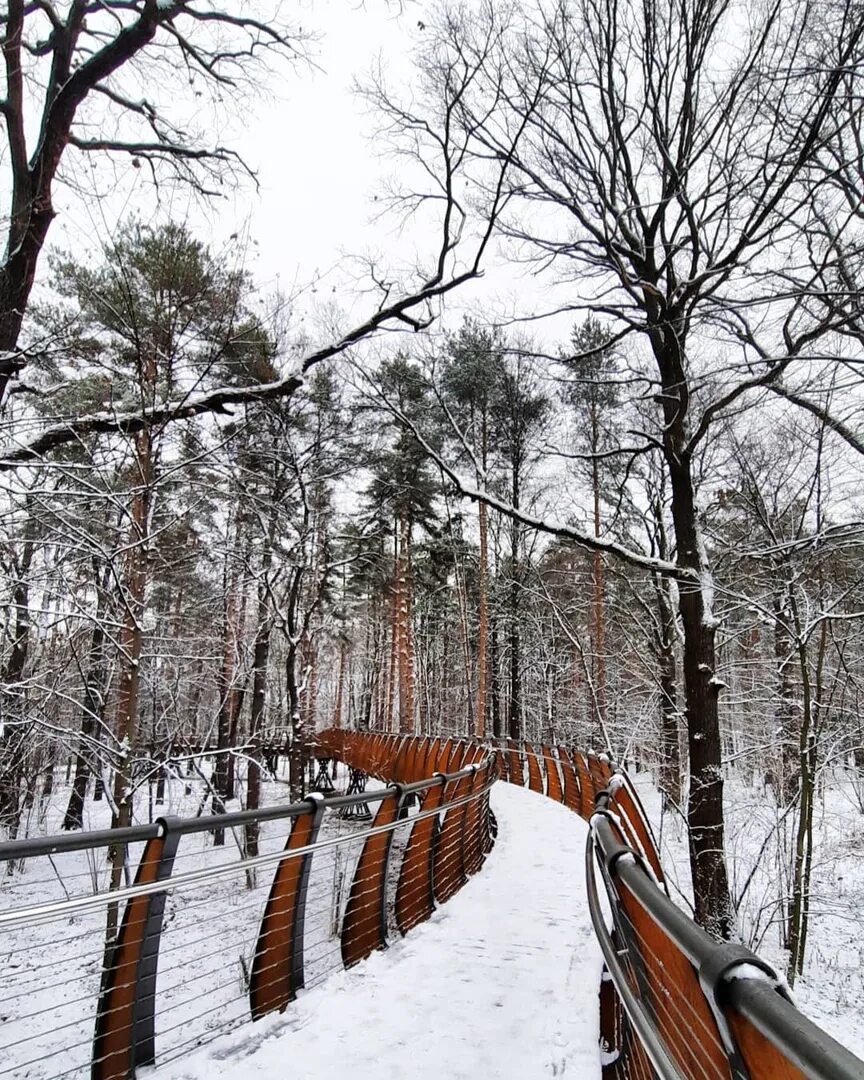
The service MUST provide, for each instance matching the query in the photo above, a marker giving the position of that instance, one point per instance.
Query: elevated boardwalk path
(501, 982)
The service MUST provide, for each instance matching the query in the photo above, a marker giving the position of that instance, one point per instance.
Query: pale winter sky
(311, 143)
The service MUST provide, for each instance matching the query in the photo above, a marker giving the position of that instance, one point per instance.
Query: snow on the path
(502, 982)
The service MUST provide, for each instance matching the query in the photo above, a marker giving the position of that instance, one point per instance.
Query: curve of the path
(501, 982)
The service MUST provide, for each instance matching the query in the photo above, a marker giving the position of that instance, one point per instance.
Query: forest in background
(221, 532)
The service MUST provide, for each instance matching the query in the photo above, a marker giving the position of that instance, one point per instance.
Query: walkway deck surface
(502, 982)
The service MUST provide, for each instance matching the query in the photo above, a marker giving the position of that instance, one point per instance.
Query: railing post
(125, 1016)
(364, 927)
(535, 776)
(278, 966)
(144, 1023)
(415, 893)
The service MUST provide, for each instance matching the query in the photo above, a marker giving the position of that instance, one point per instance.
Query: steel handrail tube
(690, 938)
(644, 1027)
(46, 912)
(32, 847)
(801, 1041)
(806, 1045)
(28, 848)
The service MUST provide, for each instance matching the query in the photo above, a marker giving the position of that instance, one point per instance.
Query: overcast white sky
(310, 140)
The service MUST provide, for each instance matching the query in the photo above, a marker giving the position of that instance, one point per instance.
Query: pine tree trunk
(260, 660)
(93, 711)
(406, 645)
(494, 689)
(225, 680)
(340, 685)
(670, 768)
(131, 641)
(483, 627)
(395, 626)
(598, 583)
(785, 711)
(13, 737)
(297, 751)
(515, 695)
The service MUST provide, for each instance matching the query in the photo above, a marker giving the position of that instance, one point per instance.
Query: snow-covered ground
(503, 979)
(502, 982)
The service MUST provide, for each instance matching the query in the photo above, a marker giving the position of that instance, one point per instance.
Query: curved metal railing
(232, 937)
(674, 1002)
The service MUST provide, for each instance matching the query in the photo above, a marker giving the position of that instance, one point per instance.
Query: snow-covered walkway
(502, 982)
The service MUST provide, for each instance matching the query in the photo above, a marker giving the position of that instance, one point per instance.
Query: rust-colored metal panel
(445, 749)
(427, 759)
(586, 786)
(423, 770)
(599, 775)
(625, 829)
(449, 853)
(571, 781)
(406, 761)
(535, 777)
(486, 838)
(633, 815)
(277, 969)
(612, 1028)
(373, 756)
(384, 767)
(415, 899)
(516, 774)
(113, 1043)
(367, 757)
(364, 928)
(764, 1061)
(671, 989)
(422, 755)
(457, 758)
(634, 1063)
(554, 788)
(472, 842)
(623, 1055)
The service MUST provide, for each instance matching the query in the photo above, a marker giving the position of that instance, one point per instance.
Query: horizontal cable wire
(44, 912)
(237, 914)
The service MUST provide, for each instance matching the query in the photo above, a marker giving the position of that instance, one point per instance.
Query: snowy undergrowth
(51, 972)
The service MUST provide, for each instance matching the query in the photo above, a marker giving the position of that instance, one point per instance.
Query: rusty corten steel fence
(233, 935)
(322, 892)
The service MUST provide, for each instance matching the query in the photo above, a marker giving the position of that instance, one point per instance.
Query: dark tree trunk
(296, 753)
(514, 710)
(92, 713)
(16, 727)
(713, 906)
(670, 766)
(259, 691)
(785, 714)
(494, 682)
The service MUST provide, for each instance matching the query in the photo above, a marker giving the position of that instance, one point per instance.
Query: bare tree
(86, 79)
(673, 173)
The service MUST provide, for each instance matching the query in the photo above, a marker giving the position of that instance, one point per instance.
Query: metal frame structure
(752, 1030)
(734, 981)
(124, 1036)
